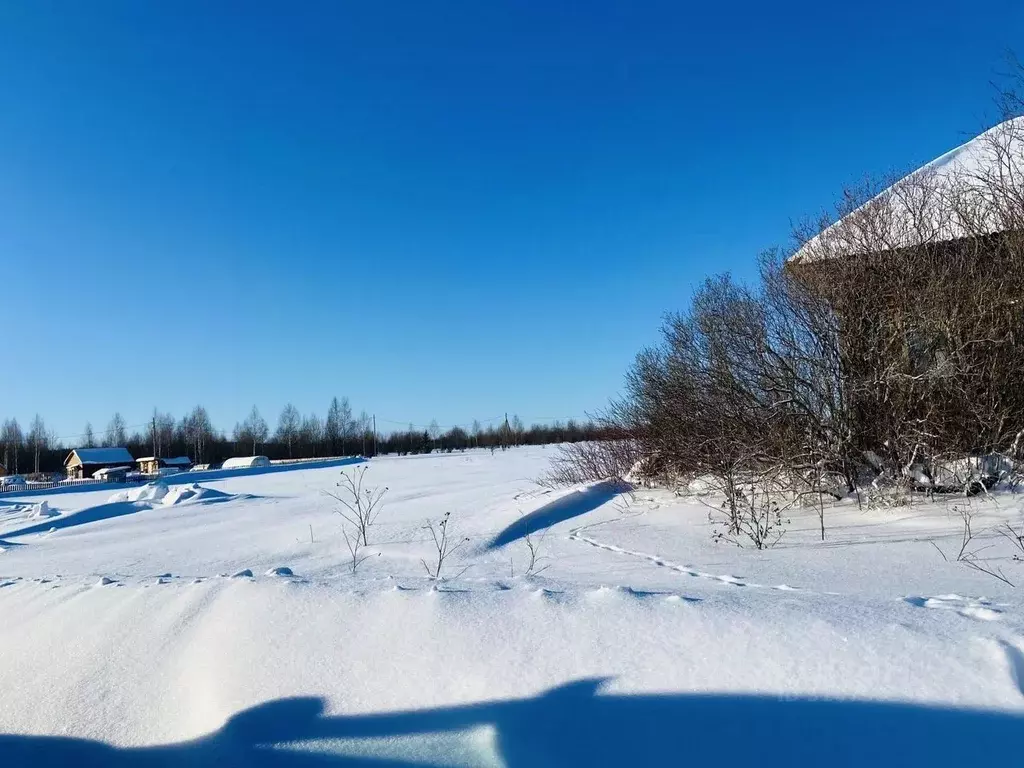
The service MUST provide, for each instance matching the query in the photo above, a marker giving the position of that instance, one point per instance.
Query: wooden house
(924, 280)
(84, 462)
(151, 465)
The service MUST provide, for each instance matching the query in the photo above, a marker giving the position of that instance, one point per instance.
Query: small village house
(151, 465)
(924, 281)
(958, 218)
(85, 462)
(112, 474)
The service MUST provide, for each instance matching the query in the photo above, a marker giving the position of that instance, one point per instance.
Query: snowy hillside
(221, 623)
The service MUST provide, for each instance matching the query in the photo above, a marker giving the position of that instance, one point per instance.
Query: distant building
(244, 462)
(931, 342)
(151, 465)
(85, 462)
(112, 474)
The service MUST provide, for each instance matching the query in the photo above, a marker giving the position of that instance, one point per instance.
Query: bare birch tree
(288, 427)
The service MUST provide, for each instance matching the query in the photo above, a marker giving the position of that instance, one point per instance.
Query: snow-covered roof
(245, 461)
(961, 193)
(102, 456)
(108, 471)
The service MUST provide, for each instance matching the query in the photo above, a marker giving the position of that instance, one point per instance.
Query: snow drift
(160, 493)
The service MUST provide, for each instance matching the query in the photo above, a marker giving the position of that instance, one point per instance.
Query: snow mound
(193, 492)
(155, 491)
(282, 570)
(43, 510)
(158, 492)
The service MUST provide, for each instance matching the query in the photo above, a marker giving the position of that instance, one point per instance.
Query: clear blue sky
(441, 209)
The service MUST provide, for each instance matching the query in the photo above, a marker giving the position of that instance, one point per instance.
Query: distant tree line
(294, 436)
(507, 435)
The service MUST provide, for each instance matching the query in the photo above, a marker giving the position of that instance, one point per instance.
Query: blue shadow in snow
(576, 724)
(106, 512)
(569, 506)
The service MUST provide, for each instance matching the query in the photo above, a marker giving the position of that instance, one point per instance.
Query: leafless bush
(753, 511)
(445, 544)
(1016, 538)
(969, 557)
(972, 561)
(533, 546)
(359, 506)
(592, 461)
(968, 534)
(355, 550)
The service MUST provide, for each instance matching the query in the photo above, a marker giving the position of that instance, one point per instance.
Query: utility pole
(154, 432)
(375, 434)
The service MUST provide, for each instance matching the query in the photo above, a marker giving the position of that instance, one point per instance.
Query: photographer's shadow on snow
(575, 724)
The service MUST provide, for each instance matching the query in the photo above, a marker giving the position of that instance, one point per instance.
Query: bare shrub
(355, 550)
(968, 556)
(591, 461)
(359, 506)
(753, 510)
(1016, 538)
(445, 544)
(968, 534)
(533, 546)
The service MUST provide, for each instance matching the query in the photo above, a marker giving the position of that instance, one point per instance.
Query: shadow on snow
(108, 511)
(565, 508)
(573, 725)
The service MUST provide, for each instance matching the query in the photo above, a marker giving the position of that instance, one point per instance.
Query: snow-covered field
(132, 634)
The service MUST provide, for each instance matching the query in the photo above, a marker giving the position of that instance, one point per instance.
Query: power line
(84, 434)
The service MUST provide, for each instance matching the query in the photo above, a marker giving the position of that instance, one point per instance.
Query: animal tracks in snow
(575, 535)
(977, 608)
